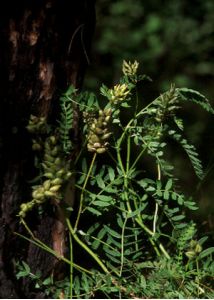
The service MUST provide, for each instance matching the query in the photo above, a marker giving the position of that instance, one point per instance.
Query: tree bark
(44, 47)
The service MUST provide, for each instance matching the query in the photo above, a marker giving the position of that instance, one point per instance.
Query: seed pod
(107, 119)
(55, 188)
(108, 112)
(36, 147)
(23, 207)
(60, 173)
(34, 193)
(49, 194)
(39, 196)
(53, 169)
(47, 184)
(68, 175)
(99, 123)
(55, 151)
(190, 254)
(97, 145)
(91, 148)
(48, 157)
(46, 165)
(106, 136)
(93, 126)
(49, 175)
(42, 120)
(56, 181)
(40, 189)
(49, 164)
(53, 139)
(47, 145)
(58, 161)
(101, 113)
(101, 150)
(98, 130)
(33, 118)
(30, 128)
(93, 138)
(198, 248)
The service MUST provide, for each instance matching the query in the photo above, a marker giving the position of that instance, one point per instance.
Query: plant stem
(80, 153)
(155, 218)
(156, 204)
(71, 265)
(161, 247)
(141, 112)
(137, 219)
(137, 101)
(137, 159)
(164, 251)
(83, 190)
(41, 245)
(128, 153)
(86, 248)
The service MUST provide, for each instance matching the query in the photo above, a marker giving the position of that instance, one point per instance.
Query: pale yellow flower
(119, 93)
(129, 68)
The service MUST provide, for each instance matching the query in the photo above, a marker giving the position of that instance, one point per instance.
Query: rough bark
(44, 47)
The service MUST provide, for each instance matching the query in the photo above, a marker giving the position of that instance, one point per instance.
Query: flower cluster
(130, 69)
(99, 132)
(37, 124)
(118, 94)
(194, 250)
(56, 173)
(167, 104)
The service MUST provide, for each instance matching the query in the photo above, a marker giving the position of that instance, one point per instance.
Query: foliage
(66, 121)
(141, 243)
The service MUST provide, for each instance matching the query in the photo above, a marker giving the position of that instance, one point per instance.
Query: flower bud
(49, 194)
(101, 150)
(55, 188)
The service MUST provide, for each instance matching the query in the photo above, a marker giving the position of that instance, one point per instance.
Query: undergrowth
(131, 222)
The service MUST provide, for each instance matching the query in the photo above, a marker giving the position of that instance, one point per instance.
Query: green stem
(155, 218)
(80, 153)
(40, 244)
(71, 265)
(85, 247)
(83, 190)
(154, 246)
(165, 253)
(111, 156)
(119, 159)
(143, 226)
(137, 102)
(43, 246)
(137, 159)
(127, 171)
(156, 204)
(128, 153)
(146, 229)
(141, 112)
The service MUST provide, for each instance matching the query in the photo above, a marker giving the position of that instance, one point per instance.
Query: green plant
(140, 243)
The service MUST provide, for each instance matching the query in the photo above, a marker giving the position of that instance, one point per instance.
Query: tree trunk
(44, 47)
